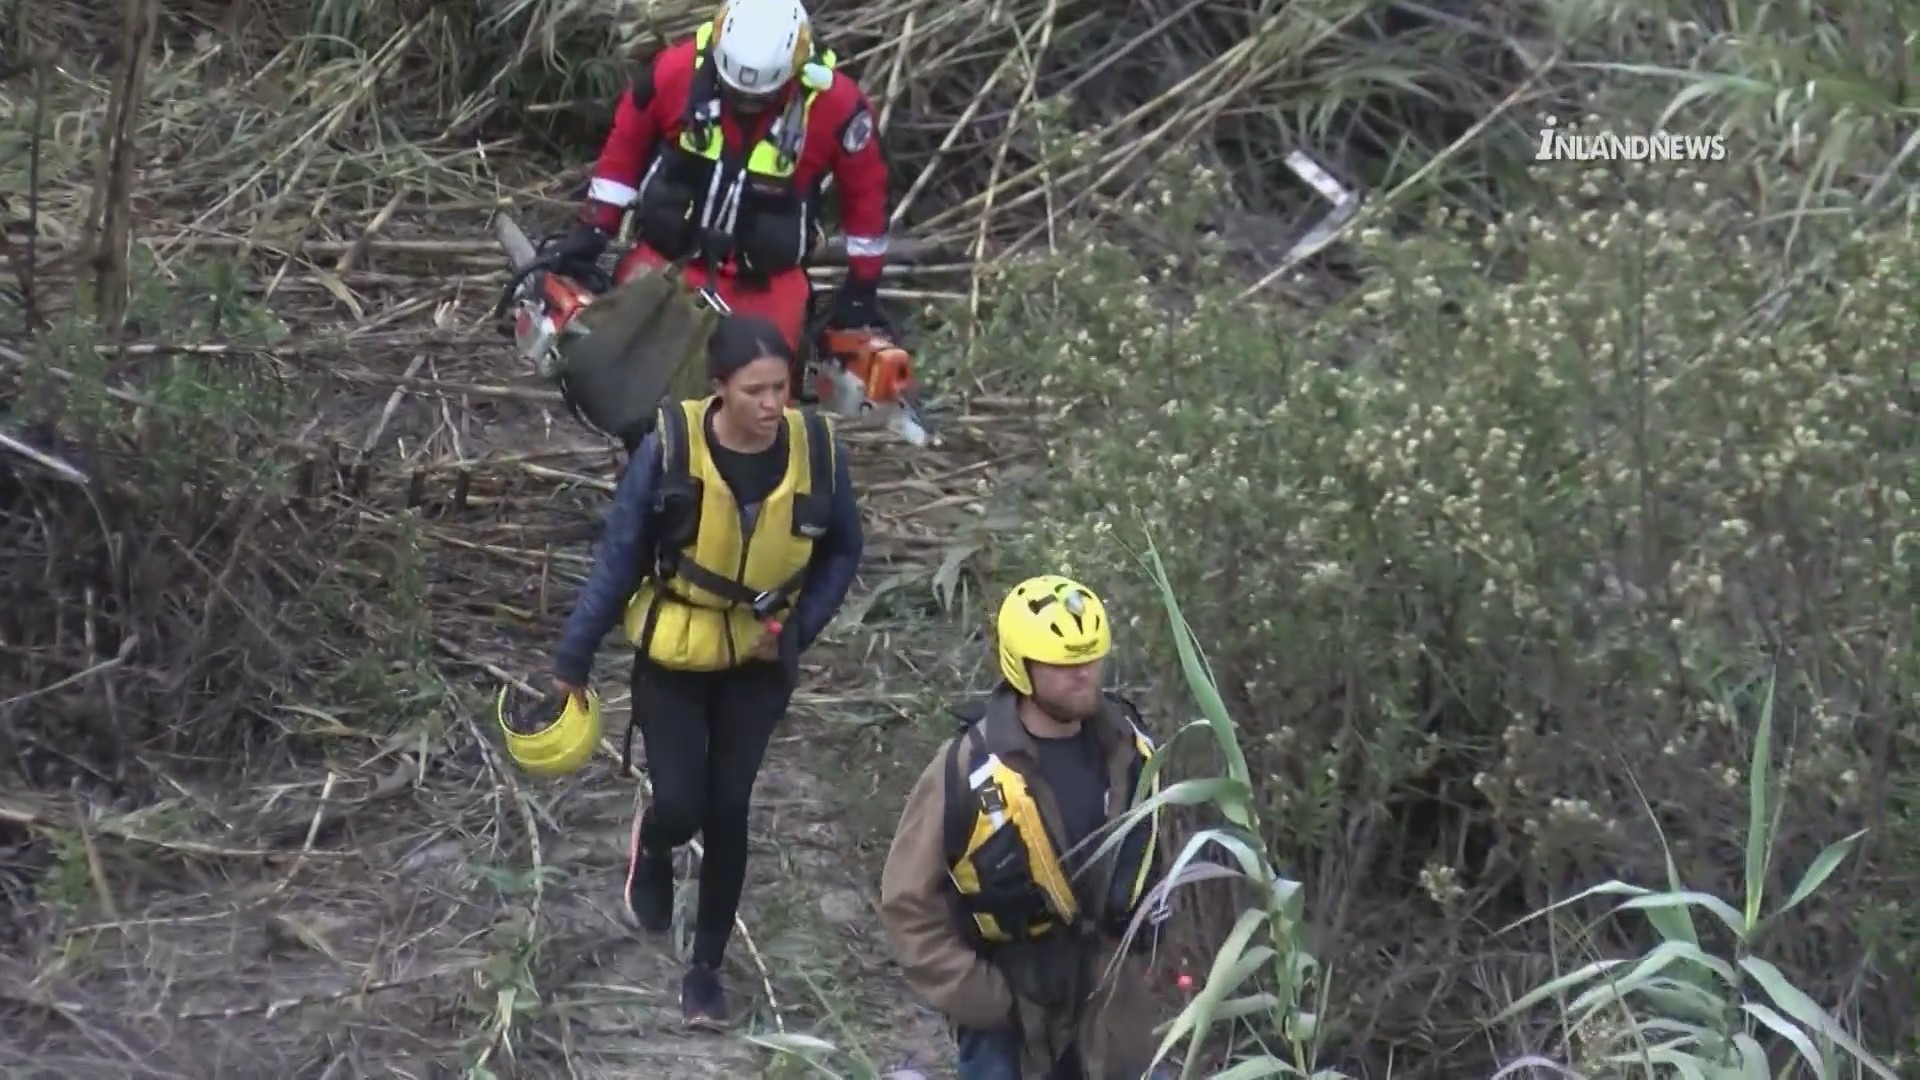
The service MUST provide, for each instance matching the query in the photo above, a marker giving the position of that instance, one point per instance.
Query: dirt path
(226, 972)
(383, 908)
(810, 940)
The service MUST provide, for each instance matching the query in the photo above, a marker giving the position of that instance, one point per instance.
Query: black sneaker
(703, 1003)
(649, 894)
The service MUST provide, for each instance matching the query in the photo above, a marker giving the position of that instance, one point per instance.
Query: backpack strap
(961, 806)
(674, 480)
(705, 88)
(820, 455)
(1126, 705)
(671, 422)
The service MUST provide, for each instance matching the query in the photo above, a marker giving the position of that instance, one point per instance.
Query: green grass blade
(1157, 899)
(1583, 974)
(1758, 840)
(1533, 1062)
(1245, 966)
(1247, 1005)
(1250, 866)
(1605, 888)
(1687, 1065)
(1676, 998)
(802, 1048)
(1659, 1025)
(1753, 1057)
(1791, 1032)
(1644, 972)
(1219, 791)
(1196, 1020)
(1686, 1044)
(1823, 867)
(1254, 1068)
(1796, 1004)
(1673, 924)
(1201, 684)
(1705, 901)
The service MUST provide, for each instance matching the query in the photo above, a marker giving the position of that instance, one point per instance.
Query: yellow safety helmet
(551, 737)
(1052, 620)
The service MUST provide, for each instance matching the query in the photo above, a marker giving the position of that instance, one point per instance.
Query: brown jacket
(921, 914)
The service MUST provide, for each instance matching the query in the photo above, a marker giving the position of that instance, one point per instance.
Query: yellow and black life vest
(1005, 862)
(700, 195)
(716, 577)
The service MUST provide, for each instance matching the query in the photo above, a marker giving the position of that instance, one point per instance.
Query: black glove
(580, 246)
(856, 306)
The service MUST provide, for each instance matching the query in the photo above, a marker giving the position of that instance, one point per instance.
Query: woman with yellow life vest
(1004, 894)
(731, 543)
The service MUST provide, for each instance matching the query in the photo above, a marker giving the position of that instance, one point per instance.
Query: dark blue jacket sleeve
(836, 557)
(617, 568)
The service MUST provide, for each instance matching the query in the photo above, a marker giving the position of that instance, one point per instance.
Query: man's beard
(746, 105)
(1076, 709)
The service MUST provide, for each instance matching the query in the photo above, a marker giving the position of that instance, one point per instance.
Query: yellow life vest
(716, 581)
(1004, 862)
(776, 154)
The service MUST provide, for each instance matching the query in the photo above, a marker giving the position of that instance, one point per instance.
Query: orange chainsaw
(863, 373)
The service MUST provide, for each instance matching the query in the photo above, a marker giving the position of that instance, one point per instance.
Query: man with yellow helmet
(1002, 896)
(730, 545)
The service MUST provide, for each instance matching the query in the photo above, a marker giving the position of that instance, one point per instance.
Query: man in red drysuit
(719, 149)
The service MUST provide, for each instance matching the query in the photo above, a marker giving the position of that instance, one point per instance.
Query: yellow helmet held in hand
(550, 737)
(1052, 620)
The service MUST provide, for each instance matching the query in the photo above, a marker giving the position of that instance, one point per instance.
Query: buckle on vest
(992, 800)
(765, 604)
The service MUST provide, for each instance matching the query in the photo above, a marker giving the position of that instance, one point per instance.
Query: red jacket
(840, 140)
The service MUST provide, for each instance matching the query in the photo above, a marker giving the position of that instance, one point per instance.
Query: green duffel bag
(630, 350)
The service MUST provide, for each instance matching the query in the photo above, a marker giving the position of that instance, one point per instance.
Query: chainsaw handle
(518, 278)
(593, 278)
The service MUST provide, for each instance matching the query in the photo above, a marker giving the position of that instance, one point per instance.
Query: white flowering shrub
(1492, 556)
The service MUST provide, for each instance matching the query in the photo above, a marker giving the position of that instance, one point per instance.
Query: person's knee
(677, 812)
(729, 807)
(676, 822)
(679, 806)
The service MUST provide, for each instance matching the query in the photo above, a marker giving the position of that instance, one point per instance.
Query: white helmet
(759, 45)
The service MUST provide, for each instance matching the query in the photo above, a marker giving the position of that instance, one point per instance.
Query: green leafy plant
(1262, 977)
(1683, 1007)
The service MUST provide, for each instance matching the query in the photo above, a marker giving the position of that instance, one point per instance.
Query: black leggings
(705, 734)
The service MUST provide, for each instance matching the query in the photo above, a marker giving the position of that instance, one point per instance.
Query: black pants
(705, 734)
